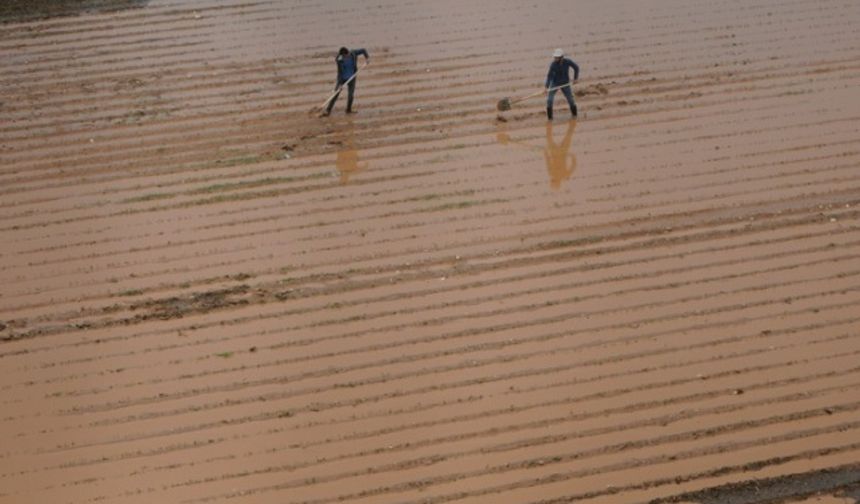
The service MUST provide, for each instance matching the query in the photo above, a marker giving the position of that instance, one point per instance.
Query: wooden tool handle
(541, 92)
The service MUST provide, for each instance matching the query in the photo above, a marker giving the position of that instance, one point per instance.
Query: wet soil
(209, 295)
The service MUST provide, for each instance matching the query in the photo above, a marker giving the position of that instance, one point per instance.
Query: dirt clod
(202, 302)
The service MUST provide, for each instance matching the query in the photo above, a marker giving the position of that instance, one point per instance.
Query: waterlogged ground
(207, 294)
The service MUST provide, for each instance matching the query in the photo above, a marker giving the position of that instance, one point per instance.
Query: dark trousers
(349, 97)
(567, 94)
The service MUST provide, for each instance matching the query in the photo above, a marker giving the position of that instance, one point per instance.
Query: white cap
(558, 53)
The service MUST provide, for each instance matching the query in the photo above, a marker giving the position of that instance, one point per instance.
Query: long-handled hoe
(505, 103)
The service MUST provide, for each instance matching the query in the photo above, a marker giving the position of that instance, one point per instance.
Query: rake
(505, 103)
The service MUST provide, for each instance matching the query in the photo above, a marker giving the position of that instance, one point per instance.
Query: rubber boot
(549, 113)
(573, 111)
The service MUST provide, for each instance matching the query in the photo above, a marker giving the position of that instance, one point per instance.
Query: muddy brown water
(208, 295)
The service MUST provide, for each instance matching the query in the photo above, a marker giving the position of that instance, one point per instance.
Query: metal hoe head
(504, 104)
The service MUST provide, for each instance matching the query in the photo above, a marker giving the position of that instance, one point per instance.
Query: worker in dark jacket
(559, 75)
(347, 66)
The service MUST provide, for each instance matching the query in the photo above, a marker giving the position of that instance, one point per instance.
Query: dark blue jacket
(348, 65)
(558, 72)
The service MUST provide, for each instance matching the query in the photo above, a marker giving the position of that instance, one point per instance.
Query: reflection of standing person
(347, 157)
(347, 163)
(347, 66)
(559, 75)
(556, 156)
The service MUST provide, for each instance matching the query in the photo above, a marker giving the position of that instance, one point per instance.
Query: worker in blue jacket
(559, 75)
(347, 66)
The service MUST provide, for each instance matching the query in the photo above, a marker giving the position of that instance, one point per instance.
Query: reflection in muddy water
(557, 156)
(347, 161)
(12, 11)
(560, 162)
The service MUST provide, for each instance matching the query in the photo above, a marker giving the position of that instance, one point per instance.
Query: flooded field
(208, 294)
